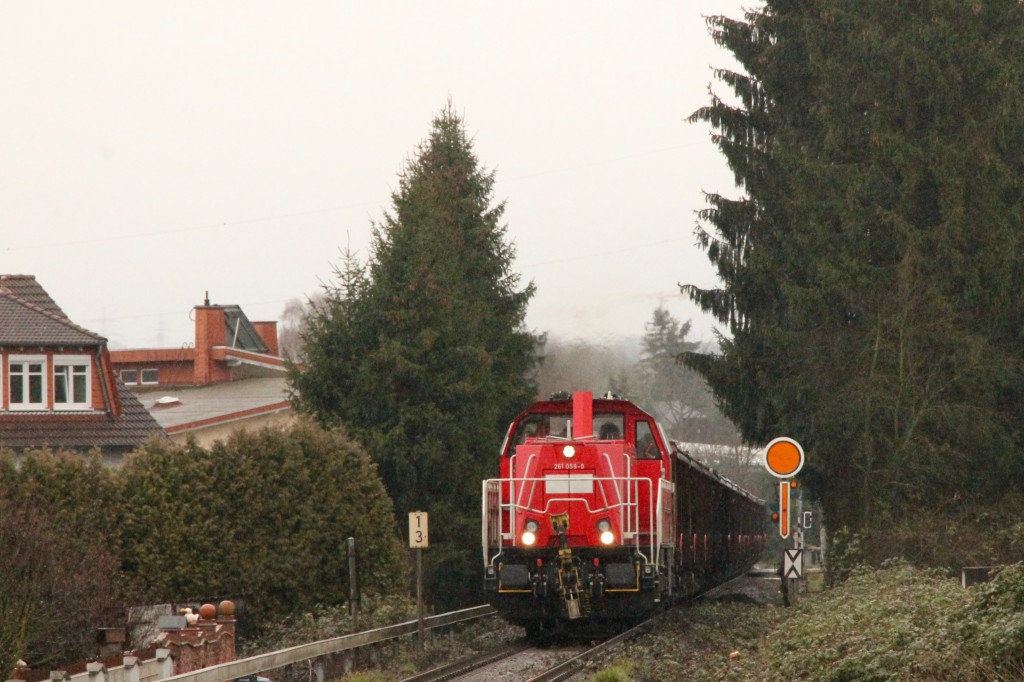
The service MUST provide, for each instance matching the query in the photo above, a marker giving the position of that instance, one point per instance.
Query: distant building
(232, 377)
(58, 388)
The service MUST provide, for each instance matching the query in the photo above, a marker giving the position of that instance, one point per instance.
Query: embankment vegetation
(893, 623)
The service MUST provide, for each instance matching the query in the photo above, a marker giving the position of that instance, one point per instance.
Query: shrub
(264, 516)
(993, 623)
(895, 623)
(844, 555)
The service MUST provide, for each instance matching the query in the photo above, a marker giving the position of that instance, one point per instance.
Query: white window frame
(71, 361)
(142, 373)
(121, 374)
(27, 360)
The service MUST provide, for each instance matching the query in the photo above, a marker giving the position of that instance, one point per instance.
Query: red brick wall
(209, 642)
(210, 332)
(174, 365)
(268, 332)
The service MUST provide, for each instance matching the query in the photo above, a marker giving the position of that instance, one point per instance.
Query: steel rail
(466, 665)
(570, 667)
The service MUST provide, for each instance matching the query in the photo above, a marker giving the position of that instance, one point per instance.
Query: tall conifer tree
(674, 393)
(869, 272)
(423, 353)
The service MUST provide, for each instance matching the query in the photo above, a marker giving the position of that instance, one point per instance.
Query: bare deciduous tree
(55, 588)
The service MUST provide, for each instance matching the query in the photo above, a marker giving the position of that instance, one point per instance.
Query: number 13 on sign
(418, 536)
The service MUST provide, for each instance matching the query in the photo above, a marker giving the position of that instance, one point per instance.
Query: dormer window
(27, 381)
(72, 386)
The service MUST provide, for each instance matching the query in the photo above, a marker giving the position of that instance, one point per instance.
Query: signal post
(784, 458)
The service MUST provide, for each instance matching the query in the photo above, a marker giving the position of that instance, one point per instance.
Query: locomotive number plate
(580, 485)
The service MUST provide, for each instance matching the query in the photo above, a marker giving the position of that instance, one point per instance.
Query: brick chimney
(268, 332)
(210, 332)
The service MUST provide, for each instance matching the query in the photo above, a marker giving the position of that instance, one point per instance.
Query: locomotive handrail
(667, 489)
(517, 495)
(491, 514)
(493, 488)
(629, 473)
(547, 505)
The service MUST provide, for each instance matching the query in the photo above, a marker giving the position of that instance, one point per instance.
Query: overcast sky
(153, 151)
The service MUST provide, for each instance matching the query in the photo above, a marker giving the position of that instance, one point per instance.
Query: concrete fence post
(97, 671)
(131, 669)
(163, 657)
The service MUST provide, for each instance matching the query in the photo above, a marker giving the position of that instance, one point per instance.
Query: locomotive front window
(607, 426)
(646, 446)
(540, 426)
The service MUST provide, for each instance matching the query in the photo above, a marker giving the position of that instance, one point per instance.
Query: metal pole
(419, 594)
(353, 581)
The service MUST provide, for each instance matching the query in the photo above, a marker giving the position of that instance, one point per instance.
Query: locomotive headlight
(569, 451)
(604, 526)
(530, 529)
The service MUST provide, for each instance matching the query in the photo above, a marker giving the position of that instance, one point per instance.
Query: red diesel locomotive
(597, 517)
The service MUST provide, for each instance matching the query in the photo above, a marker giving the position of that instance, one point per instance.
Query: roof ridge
(63, 319)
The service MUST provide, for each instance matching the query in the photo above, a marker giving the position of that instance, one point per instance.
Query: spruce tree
(869, 270)
(423, 352)
(674, 393)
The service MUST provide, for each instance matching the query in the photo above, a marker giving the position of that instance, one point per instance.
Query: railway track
(464, 666)
(522, 661)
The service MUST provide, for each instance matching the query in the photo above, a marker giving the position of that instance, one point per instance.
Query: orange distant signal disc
(783, 457)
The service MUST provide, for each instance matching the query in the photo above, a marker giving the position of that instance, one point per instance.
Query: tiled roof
(81, 430)
(29, 317)
(27, 289)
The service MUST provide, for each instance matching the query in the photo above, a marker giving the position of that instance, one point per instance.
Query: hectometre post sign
(418, 536)
(418, 539)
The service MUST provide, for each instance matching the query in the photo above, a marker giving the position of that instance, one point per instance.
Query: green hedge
(264, 515)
